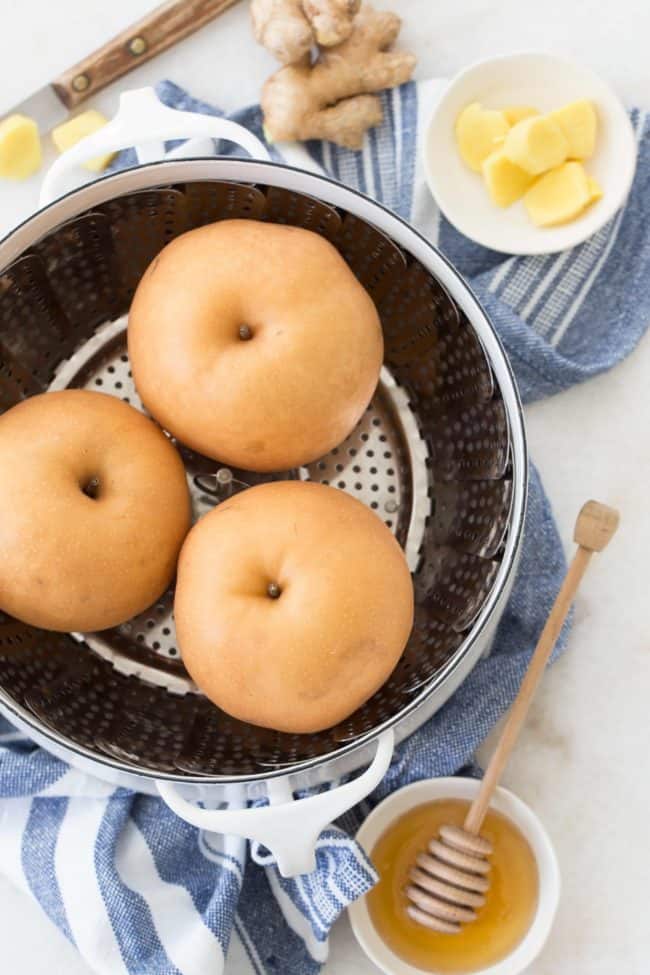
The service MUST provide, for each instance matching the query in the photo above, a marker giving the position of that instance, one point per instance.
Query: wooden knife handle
(161, 28)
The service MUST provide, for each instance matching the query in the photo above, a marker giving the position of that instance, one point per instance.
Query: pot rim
(170, 171)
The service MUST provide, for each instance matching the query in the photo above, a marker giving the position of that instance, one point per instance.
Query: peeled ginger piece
(67, 134)
(505, 182)
(536, 144)
(517, 113)
(579, 123)
(559, 195)
(20, 147)
(479, 131)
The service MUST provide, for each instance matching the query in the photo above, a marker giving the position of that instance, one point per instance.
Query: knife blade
(154, 33)
(45, 107)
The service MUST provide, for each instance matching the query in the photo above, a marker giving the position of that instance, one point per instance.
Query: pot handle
(143, 121)
(288, 827)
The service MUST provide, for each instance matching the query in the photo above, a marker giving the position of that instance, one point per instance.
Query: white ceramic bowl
(545, 82)
(504, 802)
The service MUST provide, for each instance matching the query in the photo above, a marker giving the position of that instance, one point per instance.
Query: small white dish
(545, 82)
(504, 802)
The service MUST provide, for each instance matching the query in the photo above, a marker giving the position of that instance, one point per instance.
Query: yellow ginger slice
(505, 182)
(579, 125)
(595, 189)
(559, 195)
(536, 144)
(20, 147)
(517, 113)
(67, 134)
(479, 131)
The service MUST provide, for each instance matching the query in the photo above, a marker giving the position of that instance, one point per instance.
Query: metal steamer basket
(439, 455)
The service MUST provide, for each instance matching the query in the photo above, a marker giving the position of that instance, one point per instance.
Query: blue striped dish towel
(139, 891)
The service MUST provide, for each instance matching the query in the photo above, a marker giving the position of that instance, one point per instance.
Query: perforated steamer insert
(432, 456)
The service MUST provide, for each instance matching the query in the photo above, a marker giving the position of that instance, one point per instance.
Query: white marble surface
(582, 762)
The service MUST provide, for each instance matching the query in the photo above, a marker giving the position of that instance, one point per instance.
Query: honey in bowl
(511, 901)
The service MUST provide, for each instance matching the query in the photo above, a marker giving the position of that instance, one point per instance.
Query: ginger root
(334, 98)
(331, 20)
(290, 28)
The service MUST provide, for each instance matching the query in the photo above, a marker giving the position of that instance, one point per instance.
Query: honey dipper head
(449, 881)
(595, 526)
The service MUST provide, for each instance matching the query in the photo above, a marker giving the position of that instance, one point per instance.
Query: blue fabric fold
(146, 894)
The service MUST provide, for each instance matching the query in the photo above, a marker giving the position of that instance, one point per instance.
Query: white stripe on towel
(74, 862)
(253, 956)
(14, 814)
(188, 943)
(75, 783)
(500, 274)
(396, 99)
(328, 155)
(237, 958)
(294, 154)
(551, 274)
(228, 851)
(368, 171)
(296, 920)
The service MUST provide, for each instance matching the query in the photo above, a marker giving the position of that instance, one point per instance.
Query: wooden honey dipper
(449, 882)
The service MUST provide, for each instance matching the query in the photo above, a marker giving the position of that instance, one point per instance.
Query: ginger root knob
(290, 28)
